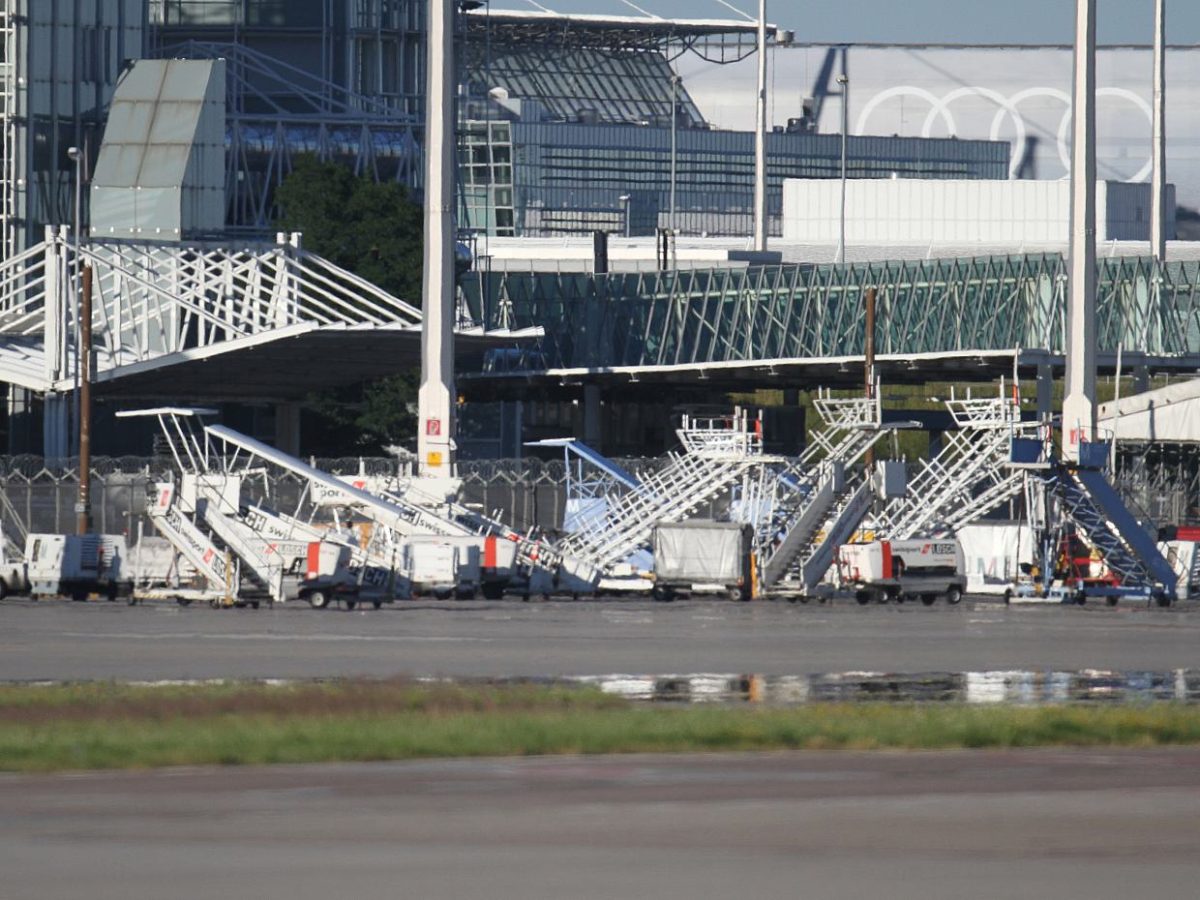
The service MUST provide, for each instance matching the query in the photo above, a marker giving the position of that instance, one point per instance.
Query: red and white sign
(433, 427)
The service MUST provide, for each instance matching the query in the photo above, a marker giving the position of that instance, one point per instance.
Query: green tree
(376, 231)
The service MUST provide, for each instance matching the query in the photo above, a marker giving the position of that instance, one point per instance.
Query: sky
(909, 21)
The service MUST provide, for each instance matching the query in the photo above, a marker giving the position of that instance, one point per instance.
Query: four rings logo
(1006, 108)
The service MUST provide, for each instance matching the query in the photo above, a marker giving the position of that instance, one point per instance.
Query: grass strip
(113, 726)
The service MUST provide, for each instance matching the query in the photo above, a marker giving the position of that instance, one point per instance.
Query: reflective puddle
(1018, 687)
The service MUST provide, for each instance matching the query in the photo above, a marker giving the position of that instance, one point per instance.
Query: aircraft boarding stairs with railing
(1097, 510)
(815, 505)
(715, 454)
(970, 477)
(218, 574)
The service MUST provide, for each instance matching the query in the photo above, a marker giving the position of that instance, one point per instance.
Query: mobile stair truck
(904, 570)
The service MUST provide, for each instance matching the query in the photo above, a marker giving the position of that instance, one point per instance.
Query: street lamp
(844, 81)
(674, 142)
(624, 201)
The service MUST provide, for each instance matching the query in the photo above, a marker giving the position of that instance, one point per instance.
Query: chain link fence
(1164, 481)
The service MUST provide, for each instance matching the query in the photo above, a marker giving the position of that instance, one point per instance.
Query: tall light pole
(1079, 401)
(435, 398)
(1158, 178)
(760, 135)
(674, 142)
(844, 81)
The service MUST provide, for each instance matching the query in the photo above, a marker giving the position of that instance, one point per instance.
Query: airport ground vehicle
(699, 556)
(904, 570)
(76, 565)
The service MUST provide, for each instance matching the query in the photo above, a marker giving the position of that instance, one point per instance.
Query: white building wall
(928, 211)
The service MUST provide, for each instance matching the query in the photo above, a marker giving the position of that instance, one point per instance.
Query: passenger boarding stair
(970, 476)
(815, 507)
(716, 454)
(1098, 511)
(220, 575)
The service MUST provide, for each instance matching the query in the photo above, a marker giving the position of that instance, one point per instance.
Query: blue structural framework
(696, 317)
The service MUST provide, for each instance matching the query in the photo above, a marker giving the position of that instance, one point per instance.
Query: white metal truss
(969, 477)
(717, 453)
(155, 300)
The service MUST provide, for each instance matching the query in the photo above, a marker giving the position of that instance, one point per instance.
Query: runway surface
(63, 640)
(1012, 824)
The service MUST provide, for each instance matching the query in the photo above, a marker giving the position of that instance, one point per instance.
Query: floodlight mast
(435, 398)
(1079, 401)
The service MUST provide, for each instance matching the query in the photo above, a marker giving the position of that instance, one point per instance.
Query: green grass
(102, 726)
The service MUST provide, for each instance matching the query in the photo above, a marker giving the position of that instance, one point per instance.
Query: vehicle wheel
(1008, 595)
(318, 599)
(1081, 598)
(443, 595)
(954, 595)
(493, 591)
(1111, 601)
(79, 596)
(351, 604)
(378, 604)
(254, 604)
(928, 599)
(3, 588)
(863, 597)
(1162, 598)
(131, 600)
(184, 601)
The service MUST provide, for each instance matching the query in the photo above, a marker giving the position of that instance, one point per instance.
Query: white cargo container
(904, 570)
(702, 556)
(434, 565)
(78, 565)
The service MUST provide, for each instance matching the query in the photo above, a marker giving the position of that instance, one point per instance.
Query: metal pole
(83, 508)
(1158, 179)
(435, 399)
(869, 363)
(674, 142)
(1079, 402)
(76, 157)
(844, 81)
(760, 135)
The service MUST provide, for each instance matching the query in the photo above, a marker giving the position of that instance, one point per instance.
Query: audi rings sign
(1021, 95)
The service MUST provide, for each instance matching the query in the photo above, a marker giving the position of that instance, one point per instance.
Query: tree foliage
(373, 229)
(376, 231)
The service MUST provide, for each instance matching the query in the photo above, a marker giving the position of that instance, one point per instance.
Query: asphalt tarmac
(980, 825)
(97, 640)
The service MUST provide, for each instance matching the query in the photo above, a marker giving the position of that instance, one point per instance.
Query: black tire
(254, 604)
(493, 590)
(1081, 598)
(378, 604)
(863, 597)
(1111, 601)
(954, 595)
(929, 599)
(351, 604)
(184, 601)
(318, 599)
(1008, 595)
(79, 596)
(1162, 598)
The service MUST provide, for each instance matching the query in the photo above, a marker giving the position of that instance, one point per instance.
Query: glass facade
(565, 177)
